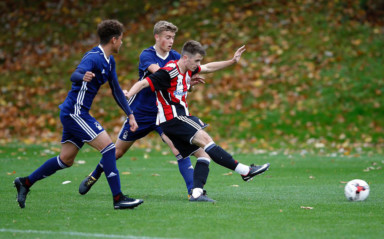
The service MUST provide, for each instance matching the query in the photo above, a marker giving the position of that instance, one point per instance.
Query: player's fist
(88, 76)
(125, 93)
(132, 122)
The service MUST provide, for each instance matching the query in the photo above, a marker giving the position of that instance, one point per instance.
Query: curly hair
(108, 29)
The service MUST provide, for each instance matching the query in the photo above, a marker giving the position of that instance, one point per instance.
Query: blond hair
(162, 26)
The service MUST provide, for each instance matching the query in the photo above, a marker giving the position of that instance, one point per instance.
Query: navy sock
(201, 173)
(186, 170)
(109, 165)
(220, 156)
(98, 171)
(47, 169)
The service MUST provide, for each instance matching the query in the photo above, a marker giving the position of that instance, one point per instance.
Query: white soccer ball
(356, 190)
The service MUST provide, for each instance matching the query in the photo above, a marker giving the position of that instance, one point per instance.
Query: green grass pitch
(270, 206)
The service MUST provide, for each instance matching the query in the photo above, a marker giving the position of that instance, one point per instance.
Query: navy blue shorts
(181, 130)
(144, 128)
(78, 129)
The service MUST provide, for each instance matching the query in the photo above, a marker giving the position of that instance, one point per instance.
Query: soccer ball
(356, 190)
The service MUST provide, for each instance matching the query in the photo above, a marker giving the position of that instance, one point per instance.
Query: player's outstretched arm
(218, 65)
(136, 88)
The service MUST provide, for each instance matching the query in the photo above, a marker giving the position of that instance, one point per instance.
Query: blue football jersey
(143, 104)
(82, 93)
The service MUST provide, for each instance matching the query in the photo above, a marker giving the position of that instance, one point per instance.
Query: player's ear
(113, 40)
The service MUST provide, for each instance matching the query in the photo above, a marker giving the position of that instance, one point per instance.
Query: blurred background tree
(312, 75)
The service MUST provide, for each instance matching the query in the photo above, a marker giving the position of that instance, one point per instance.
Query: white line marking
(82, 234)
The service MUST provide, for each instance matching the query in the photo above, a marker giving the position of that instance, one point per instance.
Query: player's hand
(125, 93)
(238, 53)
(88, 76)
(197, 79)
(132, 123)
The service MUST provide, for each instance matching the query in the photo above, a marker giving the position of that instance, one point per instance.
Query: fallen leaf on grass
(234, 185)
(13, 172)
(126, 173)
(156, 174)
(227, 174)
(368, 169)
(308, 208)
(172, 162)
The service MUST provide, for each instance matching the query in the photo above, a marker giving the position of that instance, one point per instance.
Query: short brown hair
(108, 29)
(192, 47)
(162, 26)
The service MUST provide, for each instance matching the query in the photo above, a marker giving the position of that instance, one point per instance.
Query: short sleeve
(160, 80)
(146, 59)
(198, 69)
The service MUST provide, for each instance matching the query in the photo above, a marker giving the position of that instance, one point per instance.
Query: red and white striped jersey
(171, 89)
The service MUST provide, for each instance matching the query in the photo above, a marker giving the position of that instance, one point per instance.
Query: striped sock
(47, 169)
(220, 156)
(108, 161)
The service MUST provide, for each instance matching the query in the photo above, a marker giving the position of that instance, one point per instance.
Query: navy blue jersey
(82, 93)
(143, 104)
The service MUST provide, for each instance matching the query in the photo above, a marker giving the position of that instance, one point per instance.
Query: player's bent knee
(68, 161)
(202, 138)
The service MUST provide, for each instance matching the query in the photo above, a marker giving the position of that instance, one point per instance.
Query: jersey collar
(105, 57)
(157, 54)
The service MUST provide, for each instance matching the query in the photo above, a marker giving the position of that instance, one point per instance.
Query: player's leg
(185, 165)
(223, 158)
(180, 131)
(104, 144)
(64, 160)
(122, 145)
(86, 185)
(125, 140)
(200, 177)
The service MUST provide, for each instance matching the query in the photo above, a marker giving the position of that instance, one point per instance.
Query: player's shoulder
(170, 65)
(94, 54)
(148, 51)
(112, 59)
(171, 68)
(175, 54)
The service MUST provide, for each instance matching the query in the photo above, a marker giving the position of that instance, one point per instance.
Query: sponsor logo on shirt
(179, 93)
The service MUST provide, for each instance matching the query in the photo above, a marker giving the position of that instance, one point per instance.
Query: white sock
(196, 192)
(242, 169)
